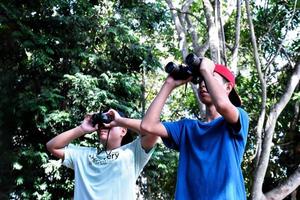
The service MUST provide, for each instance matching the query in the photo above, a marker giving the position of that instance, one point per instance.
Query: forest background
(63, 59)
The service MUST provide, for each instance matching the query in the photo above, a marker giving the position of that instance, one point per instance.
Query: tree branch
(186, 6)
(236, 45)
(286, 28)
(189, 13)
(292, 84)
(203, 48)
(191, 29)
(194, 35)
(261, 119)
(212, 31)
(271, 123)
(221, 32)
(284, 189)
(180, 30)
(258, 180)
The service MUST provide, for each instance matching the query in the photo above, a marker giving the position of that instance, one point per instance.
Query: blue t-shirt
(210, 158)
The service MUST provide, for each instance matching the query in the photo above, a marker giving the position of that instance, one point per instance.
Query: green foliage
(272, 21)
(285, 20)
(249, 91)
(61, 60)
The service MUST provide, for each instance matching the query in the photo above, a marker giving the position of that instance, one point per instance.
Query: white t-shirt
(109, 175)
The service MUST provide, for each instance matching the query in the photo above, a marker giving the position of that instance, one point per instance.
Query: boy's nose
(202, 85)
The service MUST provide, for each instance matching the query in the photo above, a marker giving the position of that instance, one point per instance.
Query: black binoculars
(101, 118)
(182, 72)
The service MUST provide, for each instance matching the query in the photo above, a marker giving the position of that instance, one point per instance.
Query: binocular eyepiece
(101, 118)
(182, 72)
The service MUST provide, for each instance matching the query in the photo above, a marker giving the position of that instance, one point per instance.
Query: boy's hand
(115, 118)
(175, 83)
(207, 66)
(87, 126)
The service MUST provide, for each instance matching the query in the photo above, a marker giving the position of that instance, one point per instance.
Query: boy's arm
(217, 92)
(147, 141)
(151, 122)
(56, 145)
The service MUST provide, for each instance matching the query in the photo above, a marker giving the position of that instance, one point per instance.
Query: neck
(111, 146)
(211, 113)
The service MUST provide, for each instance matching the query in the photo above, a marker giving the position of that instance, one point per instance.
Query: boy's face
(115, 134)
(203, 92)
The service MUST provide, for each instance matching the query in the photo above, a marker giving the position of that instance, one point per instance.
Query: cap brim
(235, 98)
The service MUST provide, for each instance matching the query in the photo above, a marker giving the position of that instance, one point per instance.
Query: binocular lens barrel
(171, 68)
(183, 72)
(193, 60)
(101, 118)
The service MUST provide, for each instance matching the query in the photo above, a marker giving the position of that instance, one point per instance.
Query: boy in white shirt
(112, 172)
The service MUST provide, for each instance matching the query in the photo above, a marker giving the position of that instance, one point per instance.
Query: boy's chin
(103, 140)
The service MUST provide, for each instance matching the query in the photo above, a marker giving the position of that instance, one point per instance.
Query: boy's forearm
(215, 89)
(151, 122)
(65, 138)
(132, 124)
(154, 111)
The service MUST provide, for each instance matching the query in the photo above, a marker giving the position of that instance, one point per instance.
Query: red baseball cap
(228, 75)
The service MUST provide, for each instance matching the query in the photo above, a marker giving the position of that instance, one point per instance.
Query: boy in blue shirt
(211, 151)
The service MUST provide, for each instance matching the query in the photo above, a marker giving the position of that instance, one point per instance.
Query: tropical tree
(274, 47)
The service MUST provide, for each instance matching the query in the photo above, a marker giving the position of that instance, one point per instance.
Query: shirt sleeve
(141, 157)
(244, 124)
(174, 132)
(71, 153)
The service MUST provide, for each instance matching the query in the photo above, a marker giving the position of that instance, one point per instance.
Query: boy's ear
(124, 131)
(229, 87)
